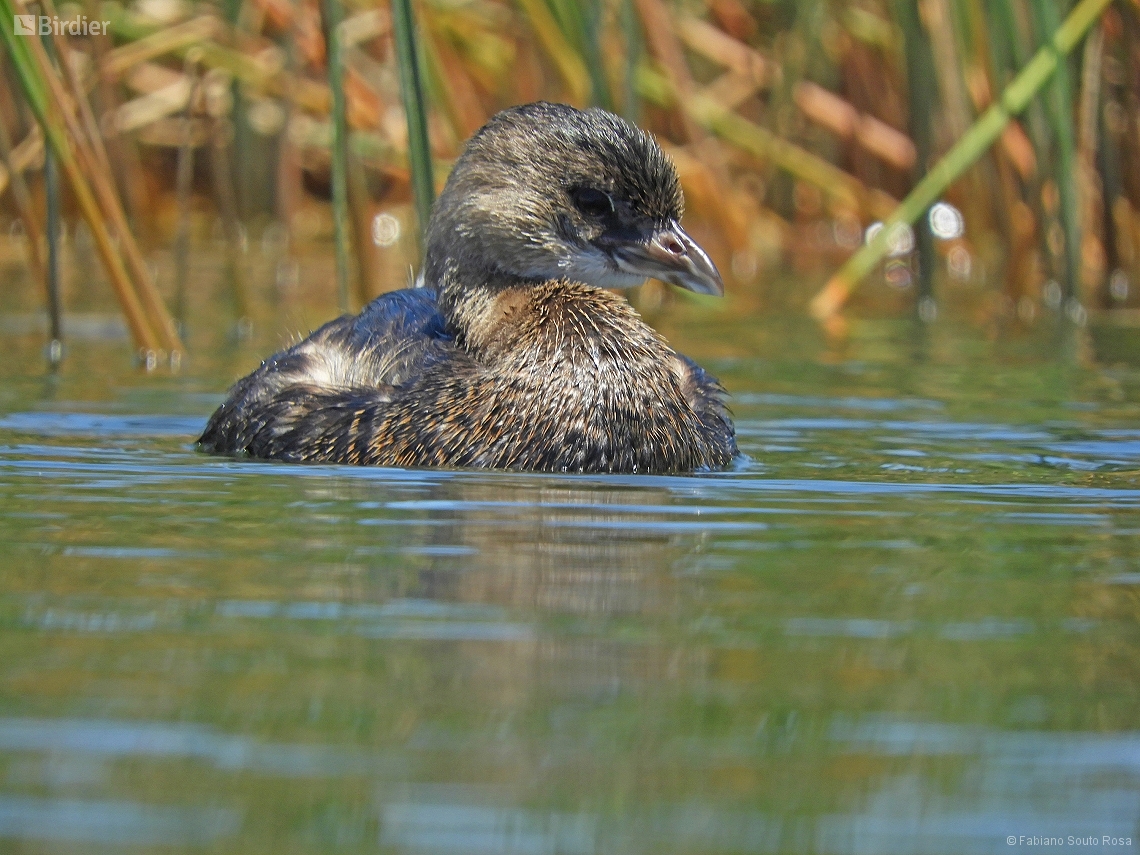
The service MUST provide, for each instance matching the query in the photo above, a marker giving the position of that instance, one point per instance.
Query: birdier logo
(42, 25)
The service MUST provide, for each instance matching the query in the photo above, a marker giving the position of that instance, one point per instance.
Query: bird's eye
(591, 202)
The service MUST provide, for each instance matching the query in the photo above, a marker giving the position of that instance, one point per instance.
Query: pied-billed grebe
(511, 355)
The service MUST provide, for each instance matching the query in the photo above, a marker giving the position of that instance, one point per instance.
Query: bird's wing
(303, 424)
(361, 357)
(707, 398)
(396, 337)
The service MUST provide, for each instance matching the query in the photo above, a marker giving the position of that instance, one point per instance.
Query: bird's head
(545, 191)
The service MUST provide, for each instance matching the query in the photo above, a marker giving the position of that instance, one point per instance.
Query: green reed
(152, 329)
(415, 108)
(332, 17)
(985, 131)
(921, 87)
(1060, 114)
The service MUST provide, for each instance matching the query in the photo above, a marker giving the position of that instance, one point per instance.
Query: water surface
(906, 623)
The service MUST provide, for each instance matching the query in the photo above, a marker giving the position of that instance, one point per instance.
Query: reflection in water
(578, 551)
(112, 822)
(1031, 783)
(1081, 788)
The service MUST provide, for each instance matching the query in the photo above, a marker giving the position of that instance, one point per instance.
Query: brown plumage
(511, 355)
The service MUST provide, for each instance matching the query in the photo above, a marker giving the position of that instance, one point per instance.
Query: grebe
(511, 355)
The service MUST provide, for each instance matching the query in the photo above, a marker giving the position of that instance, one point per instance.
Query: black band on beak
(674, 257)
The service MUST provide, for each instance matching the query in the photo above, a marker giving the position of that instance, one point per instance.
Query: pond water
(906, 624)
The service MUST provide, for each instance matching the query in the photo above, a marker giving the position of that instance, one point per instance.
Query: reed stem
(415, 108)
(1014, 99)
(842, 187)
(221, 171)
(30, 79)
(55, 309)
(1059, 111)
(339, 149)
(1091, 188)
(24, 208)
(566, 60)
(921, 84)
(634, 49)
(34, 238)
(63, 105)
(55, 304)
(183, 181)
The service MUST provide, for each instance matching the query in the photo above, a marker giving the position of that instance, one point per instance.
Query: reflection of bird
(511, 356)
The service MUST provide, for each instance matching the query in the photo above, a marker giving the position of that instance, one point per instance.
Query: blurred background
(224, 163)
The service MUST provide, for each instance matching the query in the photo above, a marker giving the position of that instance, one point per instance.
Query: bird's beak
(671, 256)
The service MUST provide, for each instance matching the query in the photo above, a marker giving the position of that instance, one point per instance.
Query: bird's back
(398, 336)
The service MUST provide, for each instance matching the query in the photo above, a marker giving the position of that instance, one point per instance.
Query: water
(908, 624)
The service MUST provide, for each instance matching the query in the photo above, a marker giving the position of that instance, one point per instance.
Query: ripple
(159, 741)
(99, 425)
(117, 823)
(846, 403)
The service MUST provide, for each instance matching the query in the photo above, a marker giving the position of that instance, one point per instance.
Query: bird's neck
(503, 317)
(469, 297)
(556, 323)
